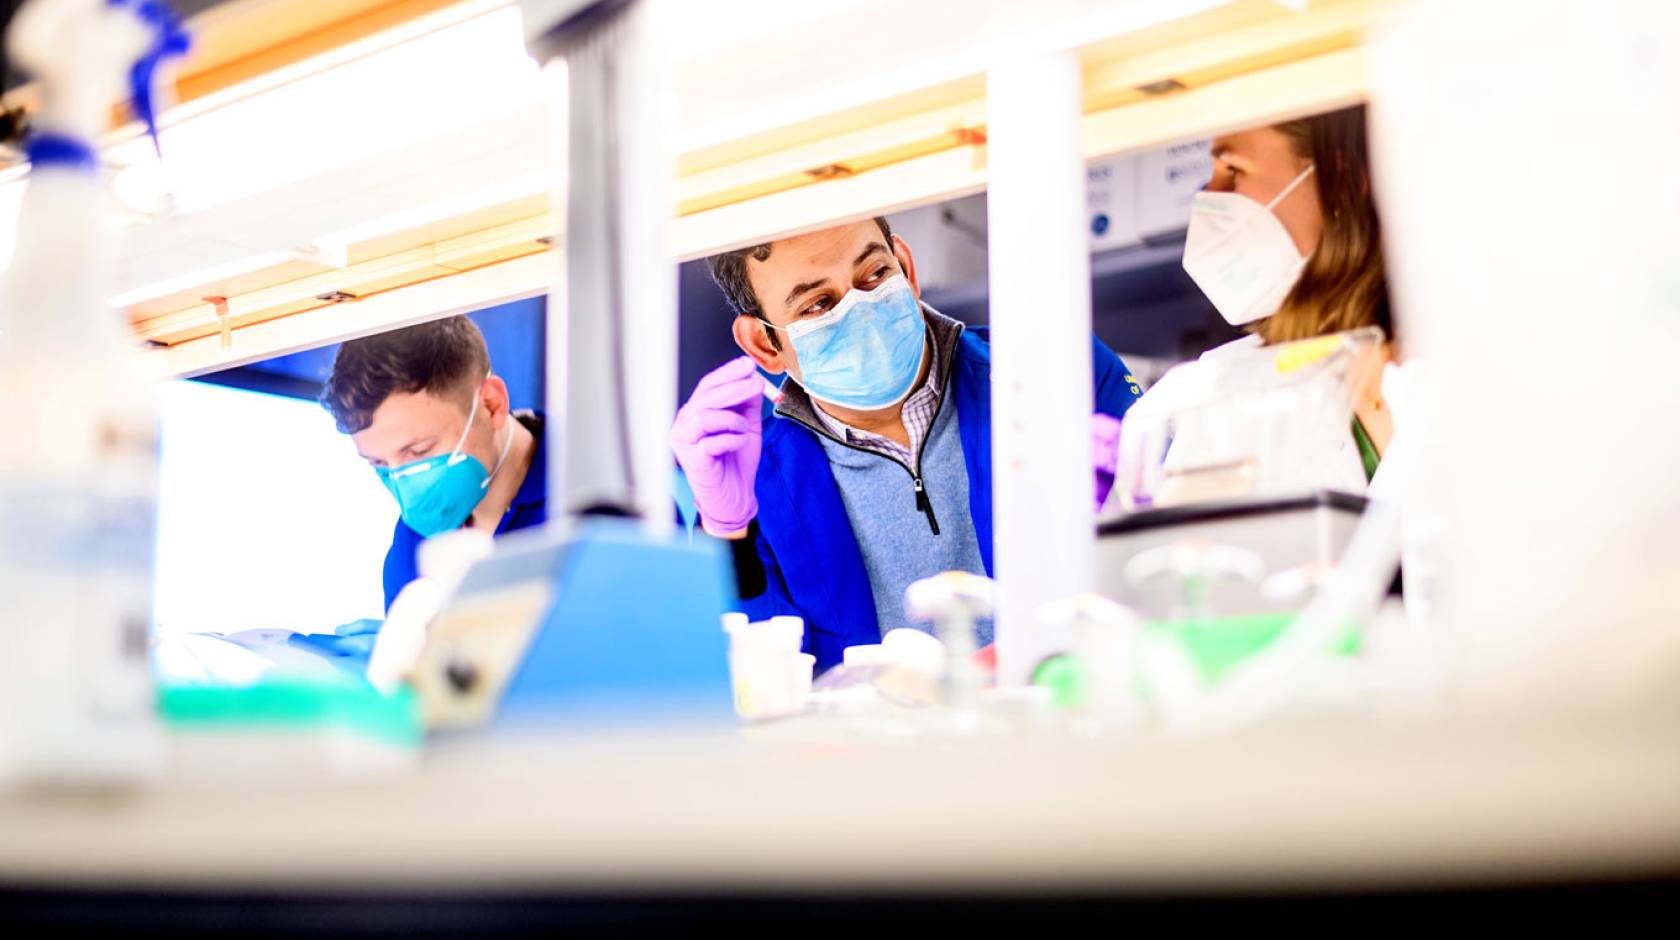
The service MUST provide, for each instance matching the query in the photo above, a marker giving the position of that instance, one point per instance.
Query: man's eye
(817, 306)
(877, 275)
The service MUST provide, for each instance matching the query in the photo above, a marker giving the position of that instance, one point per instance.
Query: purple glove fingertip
(1105, 454)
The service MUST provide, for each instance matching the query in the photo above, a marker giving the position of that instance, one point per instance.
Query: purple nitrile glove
(717, 438)
(1105, 453)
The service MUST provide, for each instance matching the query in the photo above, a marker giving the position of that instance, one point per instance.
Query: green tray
(294, 704)
(1216, 646)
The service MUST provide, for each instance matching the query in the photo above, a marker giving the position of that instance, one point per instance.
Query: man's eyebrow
(868, 250)
(802, 288)
(411, 444)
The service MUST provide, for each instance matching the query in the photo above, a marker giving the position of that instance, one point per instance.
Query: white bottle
(78, 442)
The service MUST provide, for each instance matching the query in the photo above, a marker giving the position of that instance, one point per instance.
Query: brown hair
(444, 358)
(1343, 285)
(729, 272)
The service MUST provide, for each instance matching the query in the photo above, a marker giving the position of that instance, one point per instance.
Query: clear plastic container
(1247, 421)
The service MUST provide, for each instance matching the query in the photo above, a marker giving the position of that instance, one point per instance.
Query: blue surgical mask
(437, 494)
(866, 352)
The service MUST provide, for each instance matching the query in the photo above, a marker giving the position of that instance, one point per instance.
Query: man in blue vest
(875, 470)
(435, 423)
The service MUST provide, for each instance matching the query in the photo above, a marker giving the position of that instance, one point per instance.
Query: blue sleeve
(401, 565)
(1115, 388)
(773, 599)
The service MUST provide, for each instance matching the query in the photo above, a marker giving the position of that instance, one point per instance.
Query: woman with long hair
(1286, 242)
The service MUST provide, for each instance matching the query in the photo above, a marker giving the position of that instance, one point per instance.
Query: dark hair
(729, 271)
(443, 358)
(1344, 285)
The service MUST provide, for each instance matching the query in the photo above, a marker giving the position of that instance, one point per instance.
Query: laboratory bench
(631, 830)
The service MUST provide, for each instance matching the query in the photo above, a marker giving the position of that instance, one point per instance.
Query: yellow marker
(1292, 356)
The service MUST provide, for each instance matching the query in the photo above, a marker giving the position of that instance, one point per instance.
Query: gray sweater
(895, 535)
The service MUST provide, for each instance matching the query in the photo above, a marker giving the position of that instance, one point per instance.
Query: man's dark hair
(729, 271)
(442, 358)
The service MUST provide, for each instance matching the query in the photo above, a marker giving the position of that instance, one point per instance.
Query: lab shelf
(766, 146)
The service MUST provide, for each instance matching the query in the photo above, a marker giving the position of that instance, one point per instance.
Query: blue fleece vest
(895, 537)
(812, 561)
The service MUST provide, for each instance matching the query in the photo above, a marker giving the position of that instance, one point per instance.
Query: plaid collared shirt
(919, 410)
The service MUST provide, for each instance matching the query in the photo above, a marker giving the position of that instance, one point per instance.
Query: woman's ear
(753, 336)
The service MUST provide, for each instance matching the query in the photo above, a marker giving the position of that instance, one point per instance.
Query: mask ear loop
(1291, 187)
(507, 445)
(455, 456)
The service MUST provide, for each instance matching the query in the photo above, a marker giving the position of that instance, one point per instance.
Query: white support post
(1041, 351)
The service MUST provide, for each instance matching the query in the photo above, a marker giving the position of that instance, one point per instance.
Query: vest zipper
(923, 501)
(925, 505)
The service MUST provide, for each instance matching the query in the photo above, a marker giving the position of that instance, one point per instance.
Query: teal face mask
(437, 494)
(867, 351)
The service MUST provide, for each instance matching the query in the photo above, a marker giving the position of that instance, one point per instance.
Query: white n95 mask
(1240, 255)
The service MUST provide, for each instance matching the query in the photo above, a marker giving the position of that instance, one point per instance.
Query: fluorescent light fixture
(461, 204)
(452, 78)
(203, 277)
(947, 49)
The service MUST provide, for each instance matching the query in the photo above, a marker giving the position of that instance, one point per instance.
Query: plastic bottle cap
(864, 654)
(914, 649)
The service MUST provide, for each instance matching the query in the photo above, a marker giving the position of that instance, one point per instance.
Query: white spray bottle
(78, 426)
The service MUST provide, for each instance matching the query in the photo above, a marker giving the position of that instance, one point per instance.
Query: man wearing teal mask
(427, 413)
(875, 470)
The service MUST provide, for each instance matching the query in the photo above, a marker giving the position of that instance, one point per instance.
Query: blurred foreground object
(1540, 279)
(78, 458)
(593, 619)
(1246, 421)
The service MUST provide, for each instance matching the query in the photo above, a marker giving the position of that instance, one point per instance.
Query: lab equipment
(443, 561)
(592, 618)
(1249, 420)
(581, 623)
(1102, 677)
(437, 494)
(770, 675)
(1240, 255)
(1234, 485)
(612, 316)
(953, 602)
(78, 456)
(906, 647)
(866, 351)
(1222, 557)
(717, 437)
